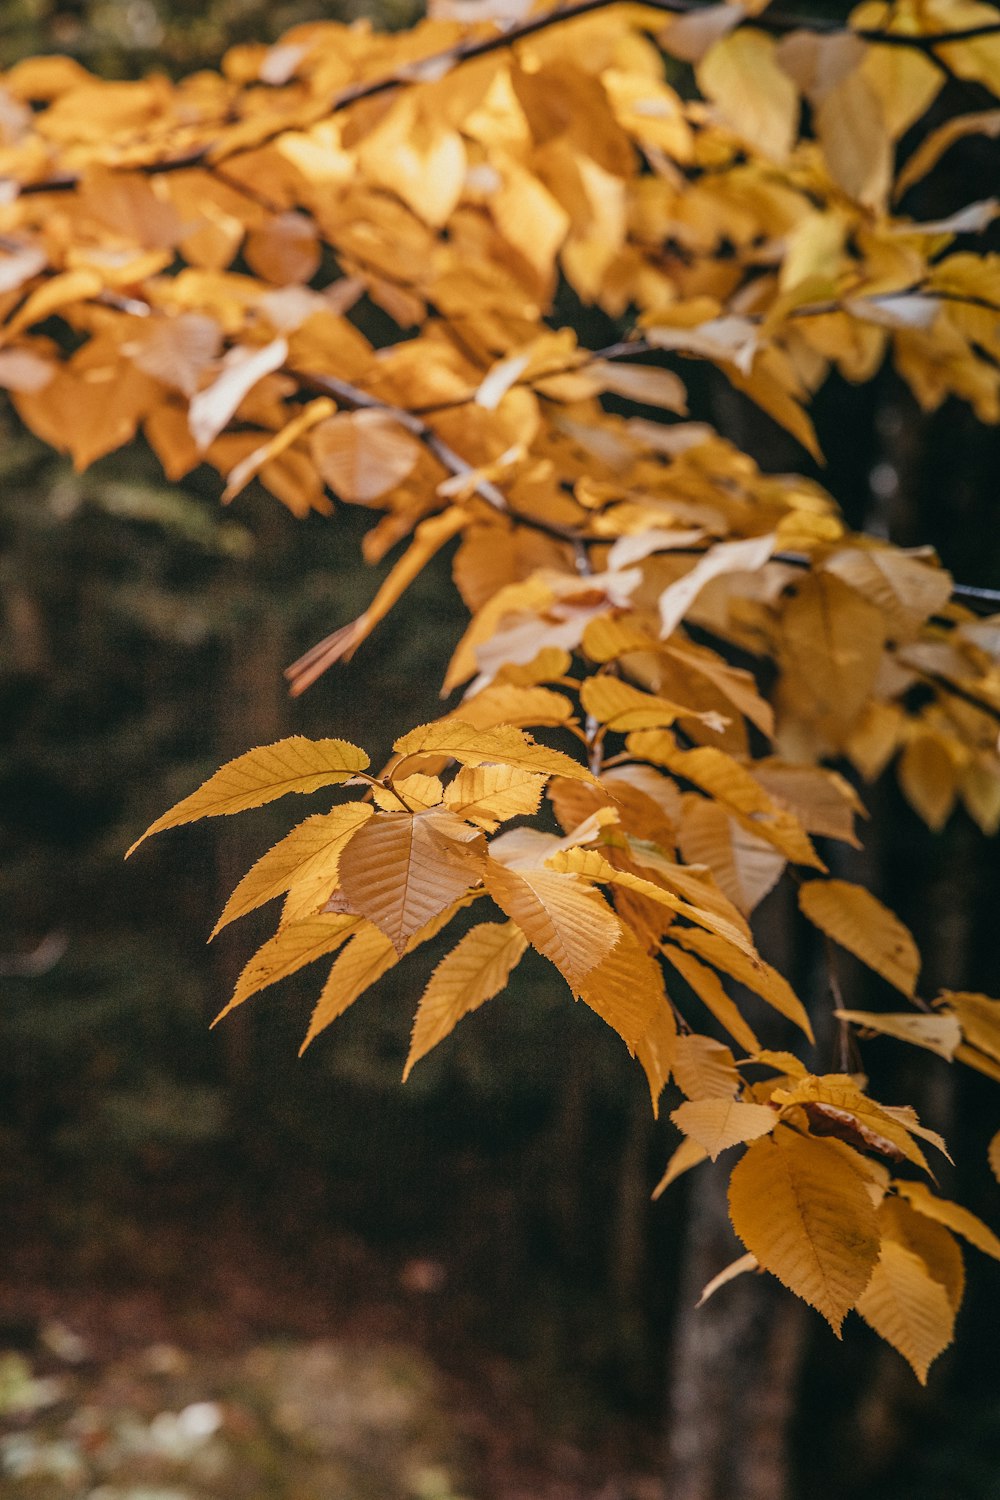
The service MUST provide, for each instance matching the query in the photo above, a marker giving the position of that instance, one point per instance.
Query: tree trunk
(732, 1391)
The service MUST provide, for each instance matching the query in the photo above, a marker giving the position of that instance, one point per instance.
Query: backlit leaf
(306, 859)
(489, 795)
(401, 869)
(859, 922)
(940, 1034)
(565, 920)
(291, 948)
(907, 1307)
(718, 1124)
(801, 1208)
(687, 1155)
(472, 973)
(476, 747)
(951, 1215)
(260, 776)
(704, 1068)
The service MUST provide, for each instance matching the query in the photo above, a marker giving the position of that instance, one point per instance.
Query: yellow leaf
(803, 1210)
(830, 653)
(745, 556)
(291, 948)
(708, 987)
(929, 778)
(363, 454)
(592, 865)
(940, 1034)
(979, 1018)
(907, 1307)
(401, 869)
(506, 703)
(260, 776)
(687, 1155)
(718, 1124)
(978, 1060)
(907, 587)
(567, 922)
(821, 799)
(419, 794)
(936, 1245)
(734, 787)
(58, 292)
(993, 1155)
(647, 384)
(704, 1068)
(755, 973)
(475, 747)
(626, 990)
(951, 1215)
(368, 956)
(738, 1267)
(657, 1047)
(758, 101)
(855, 140)
(242, 369)
(239, 477)
(746, 867)
(304, 860)
(933, 147)
(472, 973)
(621, 707)
(859, 922)
(489, 795)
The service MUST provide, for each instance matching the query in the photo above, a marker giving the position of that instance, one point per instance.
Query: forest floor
(209, 1360)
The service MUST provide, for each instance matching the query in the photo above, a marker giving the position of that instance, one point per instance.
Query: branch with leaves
(338, 268)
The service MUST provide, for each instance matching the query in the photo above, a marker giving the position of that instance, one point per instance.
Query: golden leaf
(830, 653)
(979, 1018)
(567, 922)
(993, 1154)
(468, 976)
(489, 795)
(754, 973)
(746, 556)
(367, 956)
(733, 786)
(260, 776)
(626, 990)
(305, 861)
(859, 922)
(708, 987)
(401, 869)
(242, 368)
(907, 1307)
(291, 948)
(704, 1068)
(743, 1263)
(720, 1123)
(929, 778)
(419, 794)
(940, 1034)
(592, 864)
(746, 867)
(507, 703)
(802, 1209)
(362, 454)
(475, 747)
(621, 707)
(687, 1155)
(951, 1215)
(936, 1245)
(756, 98)
(836, 1106)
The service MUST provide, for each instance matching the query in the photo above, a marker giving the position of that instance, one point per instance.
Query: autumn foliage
(668, 649)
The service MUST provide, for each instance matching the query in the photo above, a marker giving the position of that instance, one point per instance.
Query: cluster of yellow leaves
(197, 261)
(207, 262)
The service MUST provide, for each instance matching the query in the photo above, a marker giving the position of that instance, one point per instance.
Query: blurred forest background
(169, 1187)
